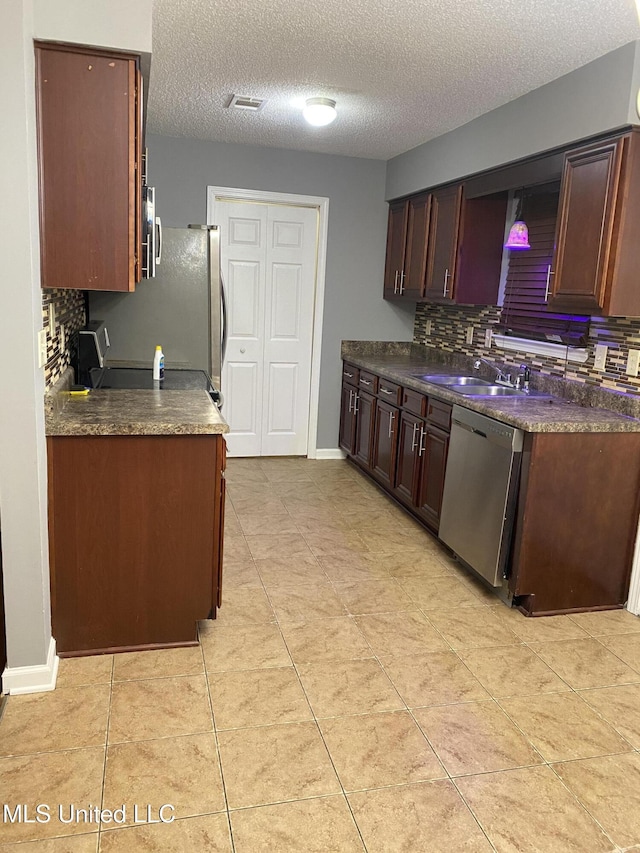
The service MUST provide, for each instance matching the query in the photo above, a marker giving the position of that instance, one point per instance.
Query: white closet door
(269, 254)
(291, 262)
(243, 249)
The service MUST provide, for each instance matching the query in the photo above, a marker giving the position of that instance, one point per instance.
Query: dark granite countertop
(399, 362)
(135, 412)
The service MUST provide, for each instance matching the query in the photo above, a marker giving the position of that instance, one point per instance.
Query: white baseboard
(32, 679)
(330, 453)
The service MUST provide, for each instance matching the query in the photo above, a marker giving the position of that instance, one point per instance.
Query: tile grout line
(215, 738)
(106, 748)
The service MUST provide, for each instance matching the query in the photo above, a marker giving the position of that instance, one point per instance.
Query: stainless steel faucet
(500, 376)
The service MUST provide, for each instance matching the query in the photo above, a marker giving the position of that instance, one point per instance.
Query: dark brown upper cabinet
(597, 254)
(407, 244)
(89, 157)
(442, 247)
(443, 244)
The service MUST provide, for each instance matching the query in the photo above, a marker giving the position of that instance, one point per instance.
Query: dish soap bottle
(158, 364)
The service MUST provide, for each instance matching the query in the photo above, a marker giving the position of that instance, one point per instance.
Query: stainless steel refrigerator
(182, 308)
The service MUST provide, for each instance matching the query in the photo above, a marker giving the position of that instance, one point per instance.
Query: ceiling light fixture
(319, 111)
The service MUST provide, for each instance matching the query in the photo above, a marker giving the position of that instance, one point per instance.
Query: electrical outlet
(600, 361)
(428, 327)
(469, 334)
(488, 338)
(42, 348)
(633, 362)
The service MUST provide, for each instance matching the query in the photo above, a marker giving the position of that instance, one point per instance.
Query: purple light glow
(518, 236)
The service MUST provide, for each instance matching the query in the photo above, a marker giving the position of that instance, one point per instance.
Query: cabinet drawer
(414, 402)
(439, 413)
(390, 392)
(350, 374)
(368, 382)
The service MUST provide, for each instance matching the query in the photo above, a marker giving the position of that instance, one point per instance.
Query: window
(525, 312)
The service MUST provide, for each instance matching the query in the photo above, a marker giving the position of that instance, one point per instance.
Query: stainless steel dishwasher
(480, 491)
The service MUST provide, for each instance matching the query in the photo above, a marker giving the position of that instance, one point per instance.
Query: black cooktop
(134, 377)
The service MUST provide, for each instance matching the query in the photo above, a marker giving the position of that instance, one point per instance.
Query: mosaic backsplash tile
(70, 315)
(449, 325)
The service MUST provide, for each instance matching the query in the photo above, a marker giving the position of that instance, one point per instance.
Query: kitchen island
(136, 514)
(577, 493)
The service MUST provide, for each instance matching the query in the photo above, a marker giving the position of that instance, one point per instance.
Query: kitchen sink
(444, 379)
(495, 391)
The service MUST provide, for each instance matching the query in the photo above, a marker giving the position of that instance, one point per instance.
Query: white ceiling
(401, 71)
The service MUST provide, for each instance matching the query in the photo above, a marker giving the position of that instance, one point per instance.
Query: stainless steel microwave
(151, 233)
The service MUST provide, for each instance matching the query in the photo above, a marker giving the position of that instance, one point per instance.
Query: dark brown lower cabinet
(385, 443)
(434, 461)
(365, 416)
(135, 533)
(577, 521)
(348, 412)
(409, 460)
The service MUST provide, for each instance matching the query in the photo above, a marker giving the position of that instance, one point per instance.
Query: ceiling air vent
(240, 102)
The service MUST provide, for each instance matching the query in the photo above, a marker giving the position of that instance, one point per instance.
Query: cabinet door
(414, 273)
(434, 451)
(218, 554)
(383, 456)
(408, 464)
(396, 241)
(348, 418)
(443, 244)
(585, 227)
(365, 411)
(88, 167)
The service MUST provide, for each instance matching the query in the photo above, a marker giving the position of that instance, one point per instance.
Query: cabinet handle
(395, 283)
(350, 375)
(423, 435)
(355, 403)
(391, 420)
(414, 440)
(350, 400)
(386, 391)
(401, 282)
(549, 274)
(365, 382)
(446, 279)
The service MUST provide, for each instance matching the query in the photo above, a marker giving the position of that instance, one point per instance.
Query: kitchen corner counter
(552, 414)
(135, 412)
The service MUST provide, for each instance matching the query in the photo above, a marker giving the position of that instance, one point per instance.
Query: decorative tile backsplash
(450, 324)
(70, 315)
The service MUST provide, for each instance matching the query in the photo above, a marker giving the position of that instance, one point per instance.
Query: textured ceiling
(401, 71)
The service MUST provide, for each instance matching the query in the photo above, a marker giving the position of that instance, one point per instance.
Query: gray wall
(596, 97)
(181, 170)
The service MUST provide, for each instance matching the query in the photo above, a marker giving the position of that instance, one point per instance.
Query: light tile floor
(357, 692)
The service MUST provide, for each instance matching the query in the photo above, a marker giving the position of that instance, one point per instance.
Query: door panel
(347, 419)
(269, 261)
(434, 461)
(443, 243)
(408, 465)
(365, 410)
(383, 457)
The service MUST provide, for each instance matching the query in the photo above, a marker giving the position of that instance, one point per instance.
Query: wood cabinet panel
(348, 410)
(439, 414)
(132, 526)
(413, 276)
(368, 382)
(383, 457)
(365, 416)
(434, 461)
(409, 461)
(443, 243)
(576, 522)
(413, 401)
(585, 227)
(390, 392)
(396, 241)
(89, 151)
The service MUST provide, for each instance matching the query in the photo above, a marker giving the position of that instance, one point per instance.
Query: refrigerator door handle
(223, 299)
(158, 226)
